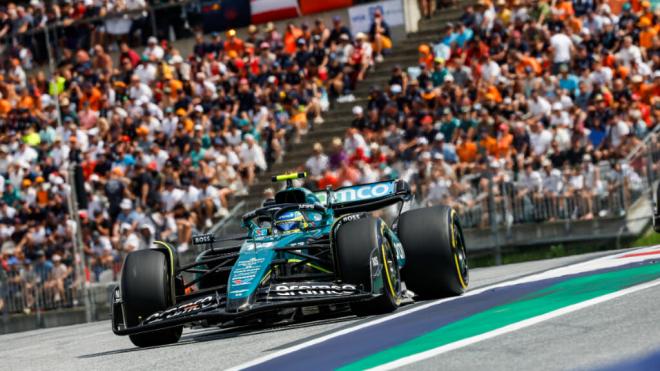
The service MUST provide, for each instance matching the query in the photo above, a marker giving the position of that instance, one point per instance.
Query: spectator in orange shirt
(527, 61)
(647, 34)
(291, 35)
(489, 142)
(91, 95)
(233, 43)
(25, 100)
(504, 141)
(564, 9)
(5, 105)
(466, 150)
(425, 56)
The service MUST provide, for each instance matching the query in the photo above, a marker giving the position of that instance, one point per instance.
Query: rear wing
(365, 197)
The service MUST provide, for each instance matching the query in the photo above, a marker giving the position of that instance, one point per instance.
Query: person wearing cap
(379, 35)
(252, 40)
(426, 57)
(317, 163)
(628, 53)
(361, 58)
(233, 43)
(449, 125)
(359, 120)
(439, 71)
(59, 276)
(201, 47)
(252, 158)
(567, 80)
(338, 29)
(153, 51)
(321, 31)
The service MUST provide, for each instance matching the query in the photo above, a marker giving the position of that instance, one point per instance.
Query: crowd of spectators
(81, 24)
(161, 141)
(524, 108)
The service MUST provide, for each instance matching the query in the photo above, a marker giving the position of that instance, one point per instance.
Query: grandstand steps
(339, 117)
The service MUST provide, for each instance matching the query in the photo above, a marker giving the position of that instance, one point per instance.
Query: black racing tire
(355, 242)
(436, 259)
(146, 288)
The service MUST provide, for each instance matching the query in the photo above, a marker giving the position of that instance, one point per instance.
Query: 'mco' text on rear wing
(365, 197)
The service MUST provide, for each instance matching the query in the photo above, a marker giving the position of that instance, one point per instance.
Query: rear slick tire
(436, 259)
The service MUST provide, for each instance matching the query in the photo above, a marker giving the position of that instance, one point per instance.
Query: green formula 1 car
(302, 249)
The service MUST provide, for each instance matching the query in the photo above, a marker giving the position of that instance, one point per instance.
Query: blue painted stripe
(336, 352)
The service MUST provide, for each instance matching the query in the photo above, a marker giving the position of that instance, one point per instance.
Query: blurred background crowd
(536, 100)
(157, 140)
(522, 108)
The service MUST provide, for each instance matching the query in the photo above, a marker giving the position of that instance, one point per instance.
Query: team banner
(273, 10)
(220, 15)
(316, 6)
(361, 16)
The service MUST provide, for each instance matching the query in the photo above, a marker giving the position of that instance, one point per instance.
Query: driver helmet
(290, 221)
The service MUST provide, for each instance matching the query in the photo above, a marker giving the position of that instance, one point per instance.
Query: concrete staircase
(339, 117)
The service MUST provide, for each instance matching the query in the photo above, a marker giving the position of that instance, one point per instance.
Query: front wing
(212, 306)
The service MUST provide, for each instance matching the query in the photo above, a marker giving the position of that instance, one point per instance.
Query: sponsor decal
(261, 232)
(203, 239)
(183, 309)
(245, 271)
(358, 193)
(352, 217)
(312, 289)
(305, 206)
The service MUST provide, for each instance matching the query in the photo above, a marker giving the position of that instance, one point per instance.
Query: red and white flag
(272, 10)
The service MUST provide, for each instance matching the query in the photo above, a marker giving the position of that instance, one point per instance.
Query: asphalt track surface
(618, 330)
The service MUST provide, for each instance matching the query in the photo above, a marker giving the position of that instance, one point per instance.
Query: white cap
(449, 77)
(147, 226)
(422, 140)
(152, 40)
(438, 156)
(439, 137)
(198, 127)
(425, 156)
(396, 89)
(126, 204)
(125, 226)
(557, 106)
(199, 108)
(46, 100)
(357, 110)
(176, 59)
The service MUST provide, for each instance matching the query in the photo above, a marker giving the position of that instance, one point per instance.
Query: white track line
(513, 327)
(598, 263)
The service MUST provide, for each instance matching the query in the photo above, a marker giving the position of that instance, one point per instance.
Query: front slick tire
(146, 288)
(356, 241)
(436, 259)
